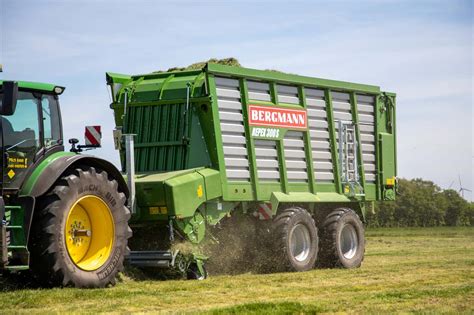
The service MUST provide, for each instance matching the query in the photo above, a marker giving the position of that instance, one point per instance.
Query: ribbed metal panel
(319, 134)
(266, 155)
(233, 131)
(288, 94)
(259, 91)
(366, 109)
(341, 106)
(159, 133)
(295, 157)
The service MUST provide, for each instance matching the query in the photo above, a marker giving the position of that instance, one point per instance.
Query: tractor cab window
(21, 130)
(21, 136)
(51, 120)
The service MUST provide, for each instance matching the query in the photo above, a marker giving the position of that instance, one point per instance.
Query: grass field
(405, 270)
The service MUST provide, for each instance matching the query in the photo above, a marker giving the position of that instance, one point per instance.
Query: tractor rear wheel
(80, 231)
(296, 240)
(342, 240)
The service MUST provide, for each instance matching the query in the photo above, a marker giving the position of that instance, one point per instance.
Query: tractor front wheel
(80, 231)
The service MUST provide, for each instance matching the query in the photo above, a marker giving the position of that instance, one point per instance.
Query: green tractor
(64, 214)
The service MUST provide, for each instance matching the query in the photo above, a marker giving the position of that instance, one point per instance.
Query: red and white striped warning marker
(264, 211)
(93, 135)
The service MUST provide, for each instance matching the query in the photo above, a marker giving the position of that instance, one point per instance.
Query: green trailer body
(222, 137)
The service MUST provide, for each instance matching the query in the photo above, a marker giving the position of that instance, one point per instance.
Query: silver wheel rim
(349, 241)
(300, 241)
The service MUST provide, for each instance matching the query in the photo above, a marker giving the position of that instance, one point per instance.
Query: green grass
(405, 270)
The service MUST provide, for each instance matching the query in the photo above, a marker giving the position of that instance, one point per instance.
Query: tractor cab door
(30, 134)
(21, 139)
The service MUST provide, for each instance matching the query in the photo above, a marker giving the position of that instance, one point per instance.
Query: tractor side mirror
(10, 96)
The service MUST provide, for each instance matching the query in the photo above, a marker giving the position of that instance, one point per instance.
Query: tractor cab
(30, 125)
(87, 209)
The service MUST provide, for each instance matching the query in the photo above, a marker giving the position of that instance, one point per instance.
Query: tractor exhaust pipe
(130, 169)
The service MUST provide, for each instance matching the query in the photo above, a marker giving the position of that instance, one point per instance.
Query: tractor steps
(14, 254)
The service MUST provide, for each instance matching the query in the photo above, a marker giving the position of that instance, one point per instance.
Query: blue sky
(421, 50)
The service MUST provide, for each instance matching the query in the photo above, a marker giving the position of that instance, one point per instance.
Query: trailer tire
(296, 240)
(80, 234)
(342, 240)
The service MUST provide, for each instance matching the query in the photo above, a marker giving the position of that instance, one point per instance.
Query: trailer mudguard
(48, 171)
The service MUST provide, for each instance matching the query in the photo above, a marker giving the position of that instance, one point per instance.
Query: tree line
(422, 203)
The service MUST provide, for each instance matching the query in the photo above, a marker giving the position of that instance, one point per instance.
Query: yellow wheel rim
(89, 233)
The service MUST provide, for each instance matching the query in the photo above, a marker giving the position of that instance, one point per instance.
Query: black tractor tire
(56, 233)
(295, 240)
(342, 240)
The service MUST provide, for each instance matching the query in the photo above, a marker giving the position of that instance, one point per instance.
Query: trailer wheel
(80, 231)
(342, 240)
(296, 243)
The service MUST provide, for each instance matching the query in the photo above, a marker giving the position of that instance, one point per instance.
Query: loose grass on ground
(405, 270)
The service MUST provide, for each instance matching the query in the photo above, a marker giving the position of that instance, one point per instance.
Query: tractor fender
(52, 172)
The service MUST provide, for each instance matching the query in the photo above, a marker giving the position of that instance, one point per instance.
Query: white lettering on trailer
(266, 132)
(255, 115)
(277, 117)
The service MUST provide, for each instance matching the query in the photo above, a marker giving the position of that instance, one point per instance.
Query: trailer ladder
(348, 161)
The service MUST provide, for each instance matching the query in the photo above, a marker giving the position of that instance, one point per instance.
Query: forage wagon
(304, 154)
